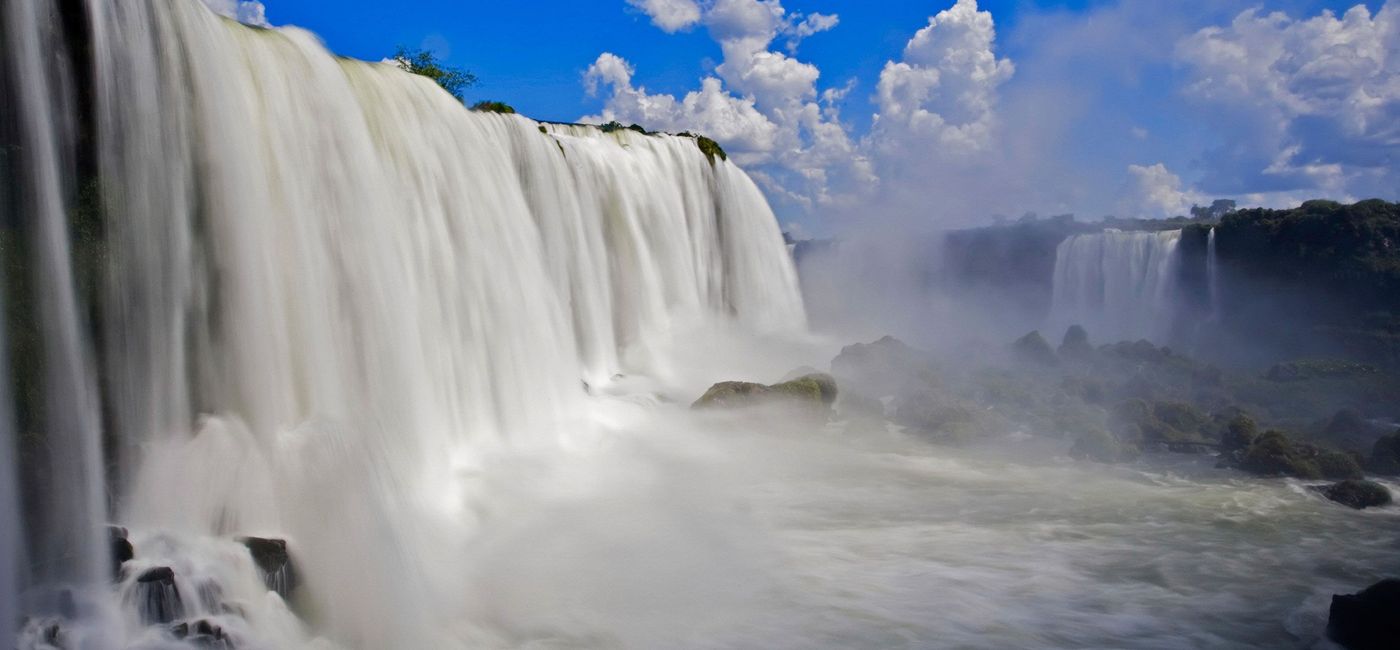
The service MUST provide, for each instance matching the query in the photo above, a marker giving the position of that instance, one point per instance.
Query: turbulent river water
(446, 355)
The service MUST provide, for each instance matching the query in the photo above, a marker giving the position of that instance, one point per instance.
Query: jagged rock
(1369, 620)
(1385, 455)
(1033, 348)
(1075, 344)
(1358, 494)
(883, 368)
(121, 548)
(274, 561)
(158, 598)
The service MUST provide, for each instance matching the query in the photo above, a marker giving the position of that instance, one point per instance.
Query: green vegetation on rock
(488, 106)
(711, 149)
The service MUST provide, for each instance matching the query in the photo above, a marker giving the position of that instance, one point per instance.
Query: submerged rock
(157, 597)
(274, 561)
(1369, 620)
(1358, 494)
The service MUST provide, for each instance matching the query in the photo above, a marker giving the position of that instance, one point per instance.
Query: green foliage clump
(710, 148)
(488, 106)
(425, 63)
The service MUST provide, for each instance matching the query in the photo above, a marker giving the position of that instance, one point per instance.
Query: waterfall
(1213, 277)
(331, 292)
(1119, 285)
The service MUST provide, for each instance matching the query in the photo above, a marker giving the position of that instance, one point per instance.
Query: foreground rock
(1274, 454)
(1033, 348)
(1358, 494)
(157, 597)
(1369, 620)
(813, 393)
(121, 548)
(274, 563)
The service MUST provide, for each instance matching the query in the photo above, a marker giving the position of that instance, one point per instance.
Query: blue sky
(1121, 106)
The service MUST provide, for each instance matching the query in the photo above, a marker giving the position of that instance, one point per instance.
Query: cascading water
(334, 294)
(1213, 277)
(1120, 285)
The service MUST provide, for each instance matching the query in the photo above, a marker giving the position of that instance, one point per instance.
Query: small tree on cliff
(424, 62)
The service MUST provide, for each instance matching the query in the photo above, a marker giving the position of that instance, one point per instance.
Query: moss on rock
(710, 148)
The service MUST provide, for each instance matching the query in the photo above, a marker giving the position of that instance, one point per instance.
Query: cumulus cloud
(945, 88)
(670, 15)
(1154, 191)
(761, 104)
(248, 12)
(1305, 104)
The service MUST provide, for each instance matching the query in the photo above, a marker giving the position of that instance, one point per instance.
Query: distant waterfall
(1213, 277)
(1119, 285)
(331, 290)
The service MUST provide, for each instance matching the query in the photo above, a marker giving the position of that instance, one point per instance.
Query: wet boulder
(274, 562)
(157, 596)
(121, 548)
(1358, 494)
(731, 394)
(1385, 455)
(1239, 433)
(1034, 349)
(1075, 344)
(1369, 620)
(1273, 454)
(816, 390)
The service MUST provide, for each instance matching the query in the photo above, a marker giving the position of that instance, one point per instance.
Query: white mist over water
(1119, 285)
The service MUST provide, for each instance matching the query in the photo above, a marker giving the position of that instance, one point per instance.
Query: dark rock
(274, 561)
(1337, 465)
(1075, 344)
(1273, 454)
(157, 597)
(1385, 455)
(121, 548)
(1240, 433)
(1358, 494)
(1033, 348)
(1369, 620)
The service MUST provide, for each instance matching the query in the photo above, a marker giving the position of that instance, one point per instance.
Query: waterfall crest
(331, 291)
(1120, 285)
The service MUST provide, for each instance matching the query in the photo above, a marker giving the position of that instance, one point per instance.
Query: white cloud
(248, 12)
(1308, 104)
(762, 105)
(1154, 191)
(670, 15)
(945, 88)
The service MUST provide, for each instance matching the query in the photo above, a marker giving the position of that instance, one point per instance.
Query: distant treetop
(424, 62)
